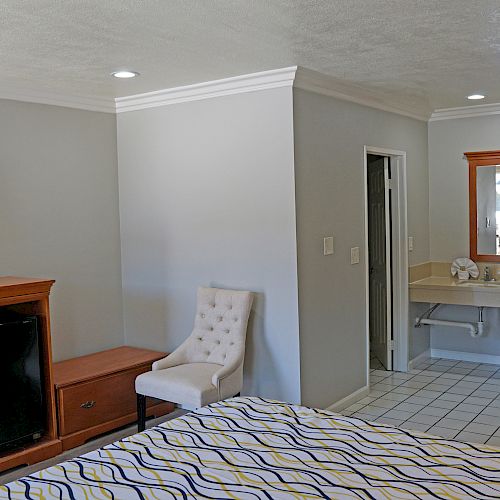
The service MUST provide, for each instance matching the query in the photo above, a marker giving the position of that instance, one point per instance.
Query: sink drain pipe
(475, 329)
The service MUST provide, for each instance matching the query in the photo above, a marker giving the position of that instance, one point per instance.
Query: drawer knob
(88, 404)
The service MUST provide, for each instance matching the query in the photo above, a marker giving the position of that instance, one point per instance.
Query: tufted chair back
(208, 365)
(220, 327)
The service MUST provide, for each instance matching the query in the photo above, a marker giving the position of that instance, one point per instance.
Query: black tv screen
(22, 409)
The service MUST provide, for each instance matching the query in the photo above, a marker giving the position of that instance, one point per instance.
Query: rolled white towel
(464, 268)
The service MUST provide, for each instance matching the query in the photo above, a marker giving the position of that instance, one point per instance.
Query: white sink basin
(481, 283)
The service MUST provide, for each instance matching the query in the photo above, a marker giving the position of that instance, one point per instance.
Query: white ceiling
(425, 53)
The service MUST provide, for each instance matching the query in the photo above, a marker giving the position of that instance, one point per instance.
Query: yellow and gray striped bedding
(248, 448)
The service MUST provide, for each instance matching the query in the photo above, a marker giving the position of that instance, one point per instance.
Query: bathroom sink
(481, 283)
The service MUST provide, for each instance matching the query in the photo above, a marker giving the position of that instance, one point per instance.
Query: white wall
(207, 198)
(329, 139)
(59, 218)
(449, 218)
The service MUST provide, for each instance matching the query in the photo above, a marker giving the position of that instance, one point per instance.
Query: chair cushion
(189, 385)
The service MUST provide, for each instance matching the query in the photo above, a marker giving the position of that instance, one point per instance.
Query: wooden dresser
(96, 394)
(31, 296)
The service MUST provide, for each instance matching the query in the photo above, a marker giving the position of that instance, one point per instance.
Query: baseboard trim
(350, 400)
(466, 356)
(418, 359)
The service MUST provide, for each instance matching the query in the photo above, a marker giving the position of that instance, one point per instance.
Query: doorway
(380, 261)
(386, 259)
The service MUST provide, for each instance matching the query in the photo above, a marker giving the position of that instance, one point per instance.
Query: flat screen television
(22, 416)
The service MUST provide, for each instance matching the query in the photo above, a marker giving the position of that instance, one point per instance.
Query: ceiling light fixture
(475, 97)
(125, 74)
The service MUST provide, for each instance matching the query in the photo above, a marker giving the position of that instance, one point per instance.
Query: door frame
(399, 225)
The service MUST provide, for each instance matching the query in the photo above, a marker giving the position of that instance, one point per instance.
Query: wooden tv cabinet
(31, 296)
(96, 393)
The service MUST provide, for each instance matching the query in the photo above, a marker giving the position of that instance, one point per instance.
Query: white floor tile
(452, 423)
(390, 421)
(413, 384)
(442, 432)
(363, 416)
(426, 393)
(394, 396)
(354, 408)
(374, 411)
(461, 415)
(405, 390)
(442, 397)
(493, 441)
(432, 410)
(366, 400)
(418, 400)
(470, 437)
(474, 378)
(487, 419)
(460, 390)
(482, 393)
(443, 403)
(415, 426)
(376, 394)
(411, 407)
(424, 378)
(468, 385)
(425, 419)
(382, 373)
(478, 428)
(440, 387)
(380, 386)
(448, 396)
(453, 376)
(384, 403)
(401, 376)
(467, 408)
(492, 410)
(473, 400)
(399, 414)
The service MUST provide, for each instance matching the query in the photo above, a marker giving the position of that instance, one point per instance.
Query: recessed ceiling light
(124, 74)
(475, 97)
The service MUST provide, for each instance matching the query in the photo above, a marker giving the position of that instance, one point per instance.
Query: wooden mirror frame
(478, 159)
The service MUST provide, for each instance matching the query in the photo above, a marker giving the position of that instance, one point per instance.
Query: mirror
(484, 205)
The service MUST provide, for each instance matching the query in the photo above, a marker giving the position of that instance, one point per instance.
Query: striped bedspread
(248, 448)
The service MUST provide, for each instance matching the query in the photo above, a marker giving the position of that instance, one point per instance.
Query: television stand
(30, 296)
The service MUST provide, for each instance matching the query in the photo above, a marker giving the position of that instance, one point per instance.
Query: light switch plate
(410, 243)
(328, 245)
(355, 255)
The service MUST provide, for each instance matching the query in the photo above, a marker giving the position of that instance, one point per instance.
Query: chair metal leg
(141, 412)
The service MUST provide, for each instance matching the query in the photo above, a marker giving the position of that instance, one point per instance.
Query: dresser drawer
(88, 404)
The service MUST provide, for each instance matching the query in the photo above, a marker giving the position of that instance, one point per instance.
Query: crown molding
(252, 82)
(465, 112)
(100, 104)
(319, 83)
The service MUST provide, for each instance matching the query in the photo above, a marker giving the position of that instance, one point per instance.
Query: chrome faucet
(487, 275)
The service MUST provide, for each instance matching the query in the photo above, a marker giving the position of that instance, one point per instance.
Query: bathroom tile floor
(446, 398)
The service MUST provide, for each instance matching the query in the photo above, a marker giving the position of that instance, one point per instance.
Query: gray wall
(207, 198)
(449, 218)
(449, 180)
(329, 139)
(59, 218)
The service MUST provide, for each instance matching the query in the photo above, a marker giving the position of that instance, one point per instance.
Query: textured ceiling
(426, 53)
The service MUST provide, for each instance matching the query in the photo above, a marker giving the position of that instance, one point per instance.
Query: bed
(249, 448)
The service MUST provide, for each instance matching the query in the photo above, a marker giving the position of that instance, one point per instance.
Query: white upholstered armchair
(208, 366)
